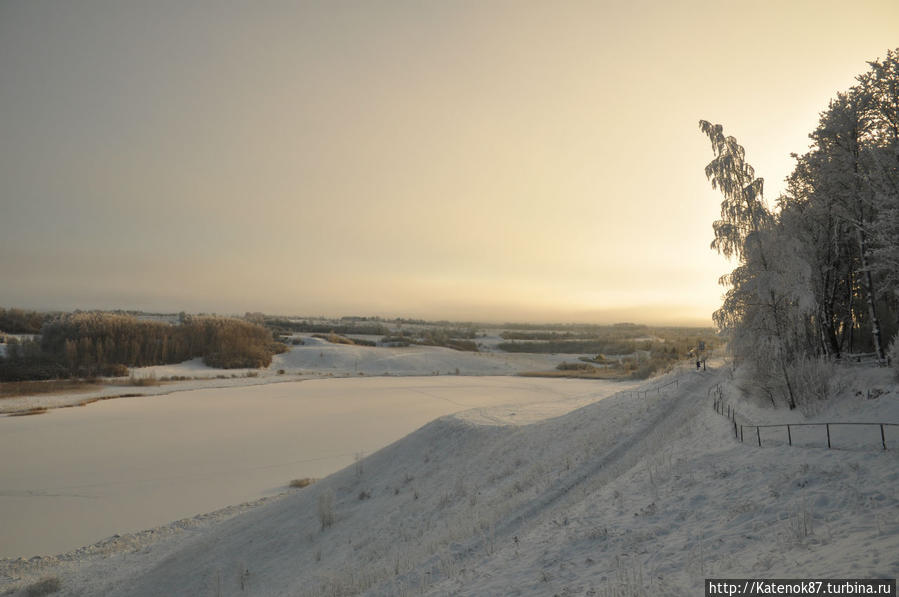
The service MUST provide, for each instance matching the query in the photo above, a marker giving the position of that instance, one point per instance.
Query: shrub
(114, 370)
(149, 380)
(326, 508)
(304, 482)
(812, 380)
(564, 366)
(43, 587)
(334, 338)
(278, 347)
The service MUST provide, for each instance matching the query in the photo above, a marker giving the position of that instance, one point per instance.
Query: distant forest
(19, 321)
(97, 343)
(817, 276)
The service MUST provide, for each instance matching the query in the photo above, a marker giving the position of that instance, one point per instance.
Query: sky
(472, 160)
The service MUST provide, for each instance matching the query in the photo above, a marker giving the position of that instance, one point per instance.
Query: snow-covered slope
(321, 356)
(625, 496)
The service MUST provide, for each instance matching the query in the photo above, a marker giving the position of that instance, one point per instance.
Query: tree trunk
(868, 283)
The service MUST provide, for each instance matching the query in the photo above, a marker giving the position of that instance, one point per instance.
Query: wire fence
(804, 434)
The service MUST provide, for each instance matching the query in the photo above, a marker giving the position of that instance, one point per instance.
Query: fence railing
(860, 358)
(657, 389)
(726, 410)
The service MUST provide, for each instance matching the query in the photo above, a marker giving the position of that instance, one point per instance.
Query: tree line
(817, 275)
(19, 321)
(97, 343)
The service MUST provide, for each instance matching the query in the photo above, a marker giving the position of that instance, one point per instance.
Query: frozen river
(74, 476)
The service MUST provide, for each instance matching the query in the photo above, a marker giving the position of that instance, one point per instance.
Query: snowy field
(623, 496)
(315, 359)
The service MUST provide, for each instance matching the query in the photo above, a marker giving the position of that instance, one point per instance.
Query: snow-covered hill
(320, 356)
(627, 496)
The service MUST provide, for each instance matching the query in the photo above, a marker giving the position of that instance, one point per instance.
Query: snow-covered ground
(315, 359)
(626, 496)
(320, 356)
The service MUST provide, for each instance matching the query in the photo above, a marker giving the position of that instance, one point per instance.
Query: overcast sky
(478, 160)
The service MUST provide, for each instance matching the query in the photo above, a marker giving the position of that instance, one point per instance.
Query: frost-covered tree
(818, 276)
(743, 211)
(754, 307)
(844, 135)
(881, 86)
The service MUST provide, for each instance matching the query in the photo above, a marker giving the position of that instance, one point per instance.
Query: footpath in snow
(627, 496)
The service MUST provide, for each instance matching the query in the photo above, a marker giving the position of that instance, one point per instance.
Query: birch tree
(754, 308)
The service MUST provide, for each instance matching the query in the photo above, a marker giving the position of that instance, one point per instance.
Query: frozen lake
(74, 476)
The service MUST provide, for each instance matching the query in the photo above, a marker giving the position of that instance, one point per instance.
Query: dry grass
(609, 374)
(13, 389)
(304, 482)
(148, 380)
(334, 338)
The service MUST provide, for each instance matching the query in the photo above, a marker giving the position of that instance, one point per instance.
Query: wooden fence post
(758, 435)
(789, 436)
(827, 425)
(741, 434)
(883, 437)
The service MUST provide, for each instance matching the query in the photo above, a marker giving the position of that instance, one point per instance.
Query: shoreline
(34, 404)
(23, 405)
(16, 570)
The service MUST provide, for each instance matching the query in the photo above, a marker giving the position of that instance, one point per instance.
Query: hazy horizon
(635, 315)
(500, 161)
